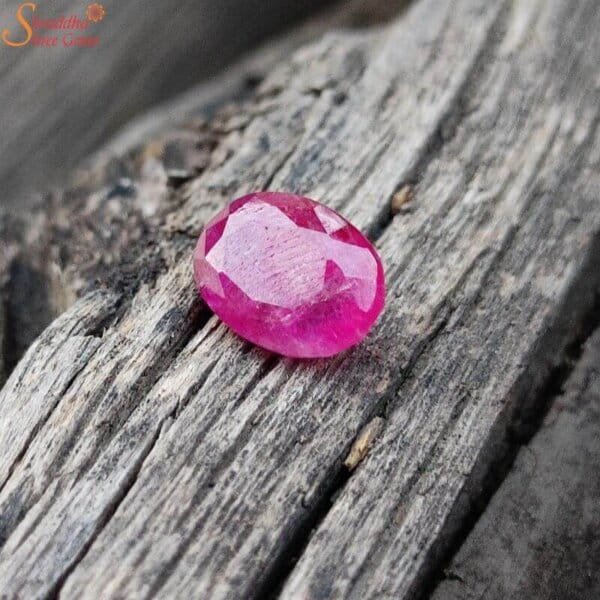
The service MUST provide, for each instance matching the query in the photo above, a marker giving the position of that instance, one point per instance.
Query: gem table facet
(290, 275)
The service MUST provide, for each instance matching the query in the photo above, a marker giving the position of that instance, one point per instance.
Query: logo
(64, 30)
(95, 12)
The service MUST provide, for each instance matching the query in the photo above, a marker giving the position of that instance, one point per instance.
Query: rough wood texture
(166, 457)
(538, 539)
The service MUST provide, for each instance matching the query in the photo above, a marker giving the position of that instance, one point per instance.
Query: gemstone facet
(289, 275)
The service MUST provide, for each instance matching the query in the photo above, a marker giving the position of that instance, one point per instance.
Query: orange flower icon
(95, 12)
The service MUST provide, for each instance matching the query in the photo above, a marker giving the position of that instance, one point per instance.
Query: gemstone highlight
(290, 275)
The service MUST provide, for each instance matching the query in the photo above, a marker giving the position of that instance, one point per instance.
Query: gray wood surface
(147, 451)
(538, 539)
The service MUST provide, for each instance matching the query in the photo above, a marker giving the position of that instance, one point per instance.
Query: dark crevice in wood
(294, 546)
(528, 417)
(28, 310)
(404, 494)
(111, 320)
(409, 489)
(528, 422)
(12, 518)
(110, 510)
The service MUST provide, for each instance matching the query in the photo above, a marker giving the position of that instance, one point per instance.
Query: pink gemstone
(290, 275)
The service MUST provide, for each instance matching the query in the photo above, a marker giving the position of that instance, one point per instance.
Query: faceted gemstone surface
(290, 275)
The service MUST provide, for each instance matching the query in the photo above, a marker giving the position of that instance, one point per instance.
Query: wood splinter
(363, 442)
(401, 198)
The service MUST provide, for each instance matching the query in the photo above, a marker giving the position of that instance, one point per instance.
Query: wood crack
(442, 134)
(292, 548)
(111, 509)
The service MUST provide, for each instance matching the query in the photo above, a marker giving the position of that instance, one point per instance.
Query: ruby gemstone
(290, 275)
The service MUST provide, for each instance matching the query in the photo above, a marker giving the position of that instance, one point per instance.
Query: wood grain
(178, 460)
(537, 539)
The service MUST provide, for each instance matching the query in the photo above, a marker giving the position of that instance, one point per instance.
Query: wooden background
(59, 103)
(149, 452)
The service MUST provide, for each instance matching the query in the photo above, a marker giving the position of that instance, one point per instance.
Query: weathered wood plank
(538, 537)
(398, 512)
(501, 332)
(180, 461)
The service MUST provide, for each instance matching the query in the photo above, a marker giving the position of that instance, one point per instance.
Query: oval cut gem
(290, 275)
